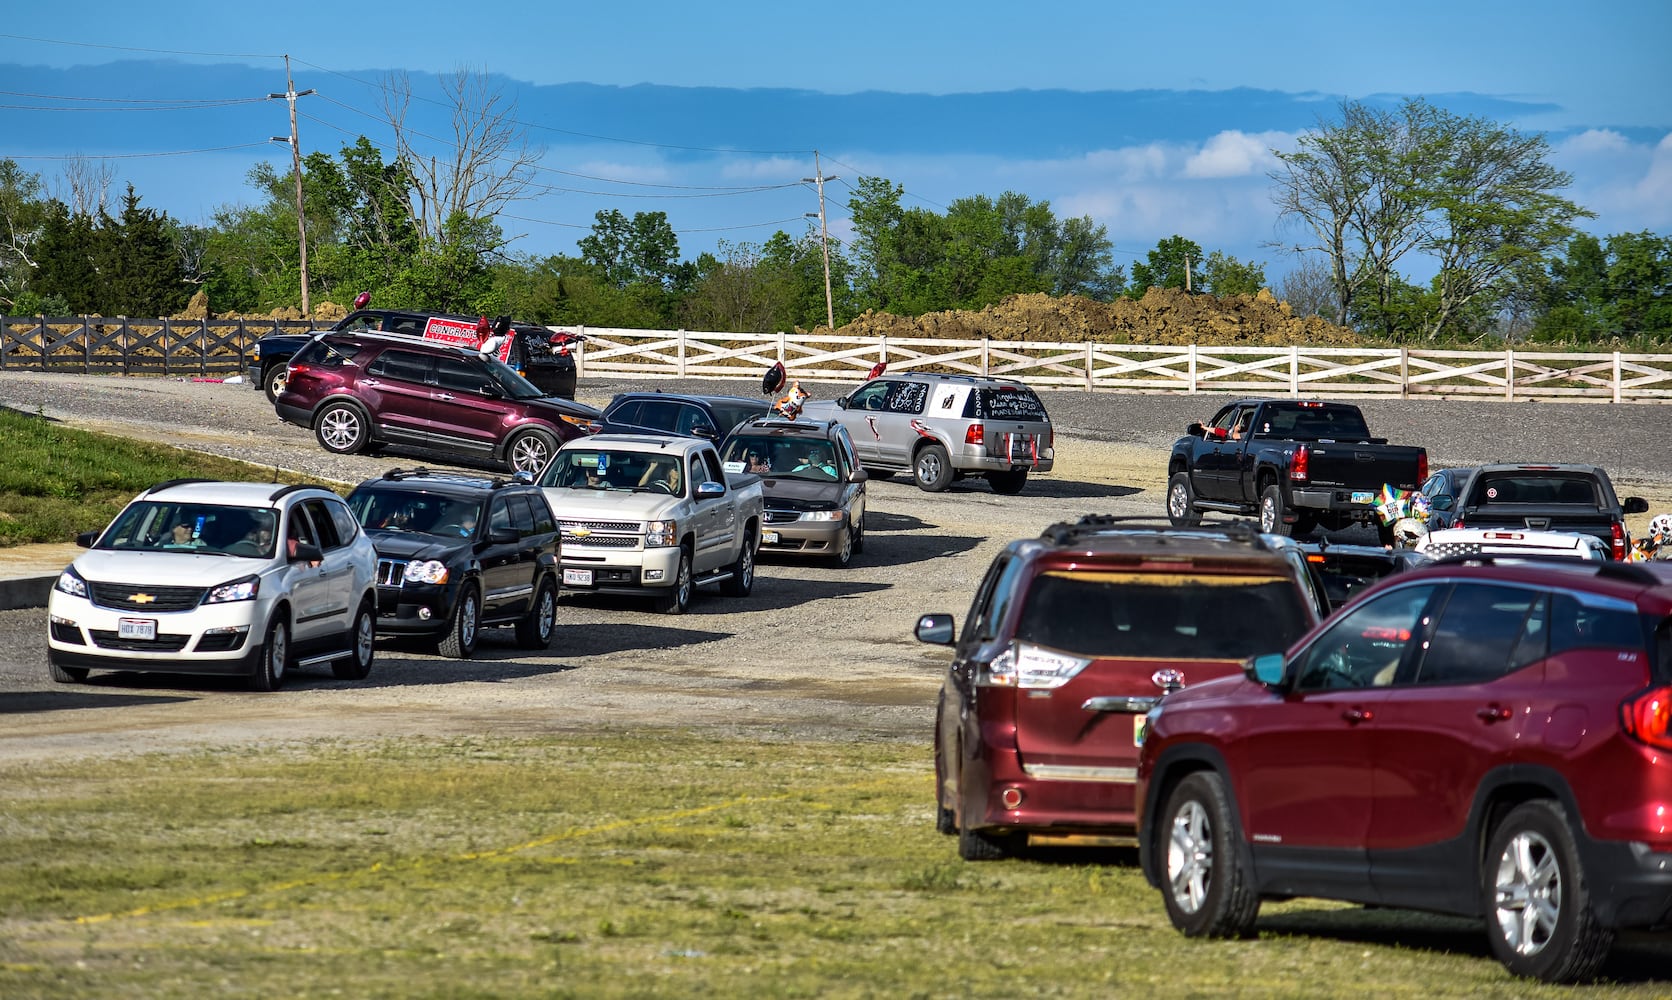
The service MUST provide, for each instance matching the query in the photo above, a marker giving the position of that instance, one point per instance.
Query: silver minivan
(946, 427)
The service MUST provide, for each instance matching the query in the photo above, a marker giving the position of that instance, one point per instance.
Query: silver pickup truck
(656, 516)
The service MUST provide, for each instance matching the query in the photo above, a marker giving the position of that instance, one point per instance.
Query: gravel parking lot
(814, 651)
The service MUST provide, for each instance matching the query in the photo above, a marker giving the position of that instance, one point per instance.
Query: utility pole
(291, 95)
(824, 237)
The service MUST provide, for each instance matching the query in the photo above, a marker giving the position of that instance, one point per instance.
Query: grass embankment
(56, 481)
(659, 864)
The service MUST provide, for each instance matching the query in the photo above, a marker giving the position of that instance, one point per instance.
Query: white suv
(246, 579)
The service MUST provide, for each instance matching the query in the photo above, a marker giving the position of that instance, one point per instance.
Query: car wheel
(933, 469)
(678, 597)
(1009, 483)
(844, 548)
(342, 428)
(976, 845)
(1206, 888)
(273, 382)
(535, 629)
(1540, 919)
(1181, 502)
(859, 535)
(529, 451)
(460, 640)
(273, 658)
(742, 580)
(358, 663)
(66, 675)
(1271, 512)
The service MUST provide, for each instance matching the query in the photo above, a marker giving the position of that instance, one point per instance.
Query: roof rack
(171, 483)
(1092, 524)
(424, 472)
(281, 491)
(787, 422)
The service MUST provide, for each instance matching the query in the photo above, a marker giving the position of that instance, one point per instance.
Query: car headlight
(823, 515)
(255, 352)
(70, 582)
(425, 571)
(243, 589)
(664, 534)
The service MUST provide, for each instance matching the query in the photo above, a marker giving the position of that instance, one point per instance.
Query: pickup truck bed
(1576, 498)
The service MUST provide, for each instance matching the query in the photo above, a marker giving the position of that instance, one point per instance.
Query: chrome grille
(782, 516)
(140, 597)
(570, 527)
(602, 542)
(390, 572)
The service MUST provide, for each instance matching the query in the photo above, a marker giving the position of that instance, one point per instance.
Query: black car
(711, 417)
(812, 487)
(538, 354)
(1444, 490)
(459, 553)
(1340, 572)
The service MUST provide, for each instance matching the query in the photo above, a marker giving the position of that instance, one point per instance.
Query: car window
(499, 515)
(343, 518)
(1224, 419)
(521, 517)
(998, 605)
(1366, 645)
(1478, 630)
(844, 444)
(325, 529)
(660, 414)
(1588, 621)
(405, 366)
(298, 526)
(1536, 488)
(327, 355)
(1313, 421)
(710, 461)
(460, 375)
(907, 397)
(690, 418)
(1007, 402)
(983, 597)
(729, 415)
(871, 396)
(1112, 614)
(541, 511)
(626, 413)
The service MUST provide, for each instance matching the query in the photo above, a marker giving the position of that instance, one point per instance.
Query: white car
(243, 579)
(1449, 542)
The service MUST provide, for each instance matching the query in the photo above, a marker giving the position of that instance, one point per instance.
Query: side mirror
(1266, 669)
(709, 490)
(86, 539)
(503, 536)
(704, 431)
(1442, 502)
(307, 552)
(858, 476)
(1636, 505)
(842, 401)
(1194, 429)
(937, 630)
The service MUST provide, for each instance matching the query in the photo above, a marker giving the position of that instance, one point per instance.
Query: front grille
(782, 516)
(139, 597)
(569, 527)
(602, 541)
(390, 572)
(164, 643)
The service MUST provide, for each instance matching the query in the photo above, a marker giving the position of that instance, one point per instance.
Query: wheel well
(351, 403)
(924, 442)
(1264, 479)
(1502, 800)
(1175, 467)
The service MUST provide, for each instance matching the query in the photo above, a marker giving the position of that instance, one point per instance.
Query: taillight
(1422, 467)
(1458, 523)
(1618, 540)
(1298, 463)
(1647, 717)
(975, 434)
(1029, 667)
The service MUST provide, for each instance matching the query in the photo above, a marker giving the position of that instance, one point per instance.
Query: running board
(318, 658)
(714, 577)
(1219, 507)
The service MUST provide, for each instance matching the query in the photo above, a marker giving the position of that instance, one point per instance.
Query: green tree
(643, 250)
(876, 215)
(22, 217)
(138, 262)
(1223, 275)
(1166, 267)
(64, 258)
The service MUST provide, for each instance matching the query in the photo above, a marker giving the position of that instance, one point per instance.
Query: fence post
(1404, 372)
(86, 352)
(1193, 369)
(1091, 363)
(1616, 379)
(1294, 370)
(681, 353)
(580, 351)
(1509, 374)
(781, 349)
(985, 363)
(882, 349)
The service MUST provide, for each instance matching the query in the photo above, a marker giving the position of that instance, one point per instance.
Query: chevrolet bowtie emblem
(581, 532)
(142, 598)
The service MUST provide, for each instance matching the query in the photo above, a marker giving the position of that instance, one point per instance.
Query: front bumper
(631, 572)
(805, 538)
(208, 639)
(255, 377)
(424, 610)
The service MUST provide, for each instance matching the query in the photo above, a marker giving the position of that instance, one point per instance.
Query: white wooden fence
(1294, 371)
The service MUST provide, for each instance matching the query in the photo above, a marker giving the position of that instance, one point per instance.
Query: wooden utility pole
(291, 95)
(824, 237)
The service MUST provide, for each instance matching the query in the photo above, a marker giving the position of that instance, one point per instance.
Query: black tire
(273, 658)
(678, 597)
(1181, 502)
(932, 469)
(534, 630)
(1008, 483)
(879, 473)
(1305, 524)
(977, 845)
(1272, 511)
(742, 579)
(859, 535)
(342, 428)
(66, 675)
(465, 626)
(529, 451)
(1537, 901)
(1204, 884)
(357, 665)
(272, 380)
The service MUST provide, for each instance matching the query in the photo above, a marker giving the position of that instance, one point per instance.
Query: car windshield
(1312, 422)
(380, 509)
(513, 384)
(1162, 615)
(604, 469)
(786, 456)
(192, 528)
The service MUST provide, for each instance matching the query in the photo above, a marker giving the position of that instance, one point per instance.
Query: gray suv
(946, 427)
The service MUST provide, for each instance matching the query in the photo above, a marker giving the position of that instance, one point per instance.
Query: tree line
(1369, 191)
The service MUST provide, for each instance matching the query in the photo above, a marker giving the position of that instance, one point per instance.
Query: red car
(1469, 737)
(1071, 638)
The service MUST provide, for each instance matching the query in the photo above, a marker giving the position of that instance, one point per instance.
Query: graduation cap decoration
(773, 380)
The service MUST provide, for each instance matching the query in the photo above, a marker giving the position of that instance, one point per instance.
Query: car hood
(616, 505)
(554, 407)
(165, 569)
(799, 494)
(412, 545)
(826, 407)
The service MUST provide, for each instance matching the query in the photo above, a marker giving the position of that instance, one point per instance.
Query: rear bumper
(1060, 801)
(1630, 885)
(301, 416)
(1337, 501)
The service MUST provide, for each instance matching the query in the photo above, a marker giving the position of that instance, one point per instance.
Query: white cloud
(1235, 154)
(1594, 142)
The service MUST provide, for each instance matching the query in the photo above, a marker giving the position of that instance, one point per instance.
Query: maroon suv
(361, 391)
(1488, 740)
(1071, 638)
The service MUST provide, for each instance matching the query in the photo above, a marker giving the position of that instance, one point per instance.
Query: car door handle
(1354, 716)
(443, 395)
(1493, 713)
(1138, 704)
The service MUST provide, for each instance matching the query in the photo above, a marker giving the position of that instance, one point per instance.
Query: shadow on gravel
(769, 594)
(1062, 489)
(590, 639)
(71, 698)
(397, 668)
(902, 550)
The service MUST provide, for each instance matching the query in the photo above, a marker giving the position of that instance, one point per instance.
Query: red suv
(1071, 638)
(360, 391)
(1488, 740)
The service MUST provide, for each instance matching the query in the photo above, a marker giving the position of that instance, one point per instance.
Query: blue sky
(1152, 119)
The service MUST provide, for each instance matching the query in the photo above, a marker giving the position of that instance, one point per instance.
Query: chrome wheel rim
(1527, 893)
(548, 614)
(278, 651)
(467, 622)
(1176, 504)
(340, 428)
(1268, 515)
(528, 454)
(748, 579)
(363, 634)
(844, 549)
(1190, 857)
(928, 468)
(682, 589)
(275, 382)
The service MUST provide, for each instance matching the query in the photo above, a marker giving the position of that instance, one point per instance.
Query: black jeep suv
(457, 553)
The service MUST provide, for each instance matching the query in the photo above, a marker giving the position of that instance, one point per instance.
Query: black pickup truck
(1295, 464)
(1577, 498)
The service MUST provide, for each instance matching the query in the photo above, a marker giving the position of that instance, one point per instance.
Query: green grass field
(622, 864)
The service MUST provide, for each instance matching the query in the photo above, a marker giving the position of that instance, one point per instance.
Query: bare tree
(486, 165)
(1309, 290)
(87, 185)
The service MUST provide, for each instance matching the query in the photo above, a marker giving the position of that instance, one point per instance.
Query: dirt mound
(198, 308)
(1162, 316)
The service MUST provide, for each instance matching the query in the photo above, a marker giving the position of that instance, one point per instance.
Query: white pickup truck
(653, 515)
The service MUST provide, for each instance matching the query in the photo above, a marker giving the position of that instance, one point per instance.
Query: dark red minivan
(1072, 637)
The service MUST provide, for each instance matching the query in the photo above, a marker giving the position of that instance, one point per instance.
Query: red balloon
(877, 369)
(361, 300)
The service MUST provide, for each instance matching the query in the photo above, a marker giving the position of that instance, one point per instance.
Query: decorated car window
(1004, 403)
(1366, 645)
(907, 397)
(1478, 632)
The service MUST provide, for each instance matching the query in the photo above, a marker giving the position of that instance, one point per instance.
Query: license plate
(769, 538)
(577, 577)
(1363, 496)
(1021, 448)
(136, 628)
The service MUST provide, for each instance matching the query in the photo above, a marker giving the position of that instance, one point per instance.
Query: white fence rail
(1293, 371)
